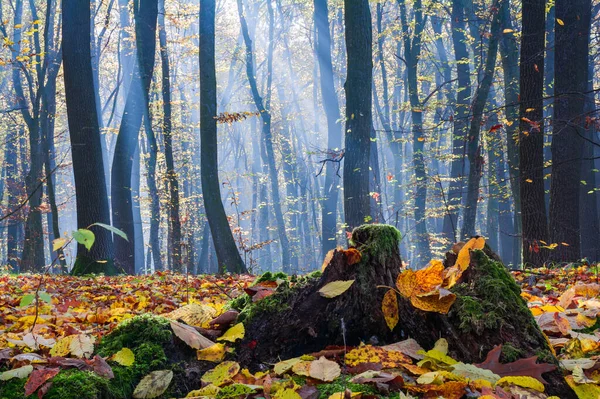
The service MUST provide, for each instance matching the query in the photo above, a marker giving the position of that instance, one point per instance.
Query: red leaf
(102, 368)
(38, 378)
(522, 367)
(495, 128)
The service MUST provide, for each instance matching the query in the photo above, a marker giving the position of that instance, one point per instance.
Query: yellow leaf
(464, 255)
(529, 180)
(433, 302)
(584, 391)
(522, 381)
(62, 347)
(193, 314)
(124, 357)
(58, 243)
(342, 395)
(406, 282)
(327, 259)
(335, 288)
(287, 393)
(210, 391)
(285, 365)
(324, 369)
(221, 374)
(389, 307)
(214, 353)
(530, 110)
(18, 26)
(508, 30)
(302, 368)
(234, 333)
(560, 21)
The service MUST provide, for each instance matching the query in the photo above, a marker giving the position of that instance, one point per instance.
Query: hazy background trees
(443, 118)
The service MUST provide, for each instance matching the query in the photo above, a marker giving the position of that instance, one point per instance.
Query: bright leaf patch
(335, 288)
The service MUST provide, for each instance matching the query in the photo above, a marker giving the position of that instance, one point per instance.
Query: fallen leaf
(215, 353)
(324, 369)
(389, 307)
(125, 357)
(234, 333)
(190, 336)
(37, 378)
(335, 288)
(153, 385)
(20, 372)
(522, 367)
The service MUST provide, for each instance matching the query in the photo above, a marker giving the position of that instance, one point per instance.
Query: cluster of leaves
(232, 117)
(566, 305)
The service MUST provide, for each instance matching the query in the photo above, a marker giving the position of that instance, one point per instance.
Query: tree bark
(359, 41)
(531, 137)
(568, 125)
(84, 131)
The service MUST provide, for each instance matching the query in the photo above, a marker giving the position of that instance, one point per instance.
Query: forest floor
(50, 323)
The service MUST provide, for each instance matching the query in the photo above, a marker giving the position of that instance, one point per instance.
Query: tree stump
(488, 311)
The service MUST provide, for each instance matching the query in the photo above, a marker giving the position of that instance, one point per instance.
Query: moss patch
(491, 300)
(13, 389)
(375, 241)
(339, 385)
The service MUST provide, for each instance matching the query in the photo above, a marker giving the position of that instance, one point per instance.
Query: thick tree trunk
(570, 84)
(84, 131)
(358, 86)
(531, 137)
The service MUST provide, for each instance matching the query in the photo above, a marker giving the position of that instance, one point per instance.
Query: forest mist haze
(254, 135)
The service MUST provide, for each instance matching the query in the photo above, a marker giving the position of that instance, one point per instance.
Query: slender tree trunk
(173, 183)
(263, 109)
(509, 53)
(334, 128)
(359, 121)
(228, 256)
(84, 131)
(136, 108)
(473, 147)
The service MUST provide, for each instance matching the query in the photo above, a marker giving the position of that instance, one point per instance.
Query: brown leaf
(38, 378)
(522, 367)
(102, 368)
(44, 389)
(225, 319)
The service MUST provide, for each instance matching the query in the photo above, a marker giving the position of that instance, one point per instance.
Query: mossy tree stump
(488, 311)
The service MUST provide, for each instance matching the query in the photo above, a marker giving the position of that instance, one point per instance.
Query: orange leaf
(353, 256)
(389, 307)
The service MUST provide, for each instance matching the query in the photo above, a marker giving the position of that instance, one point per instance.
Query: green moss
(135, 332)
(511, 353)
(491, 300)
(268, 276)
(75, 384)
(375, 241)
(146, 336)
(271, 304)
(13, 389)
(545, 356)
(339, 385)
(84, 265)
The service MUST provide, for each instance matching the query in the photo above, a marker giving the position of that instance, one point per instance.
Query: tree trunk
(334, 133)
(478, 105)
(228, 257)
(174, 240)
(136, 108)
(264, 110)
(84, 131)
(531, 137)
(568, 126)
(358, 88)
